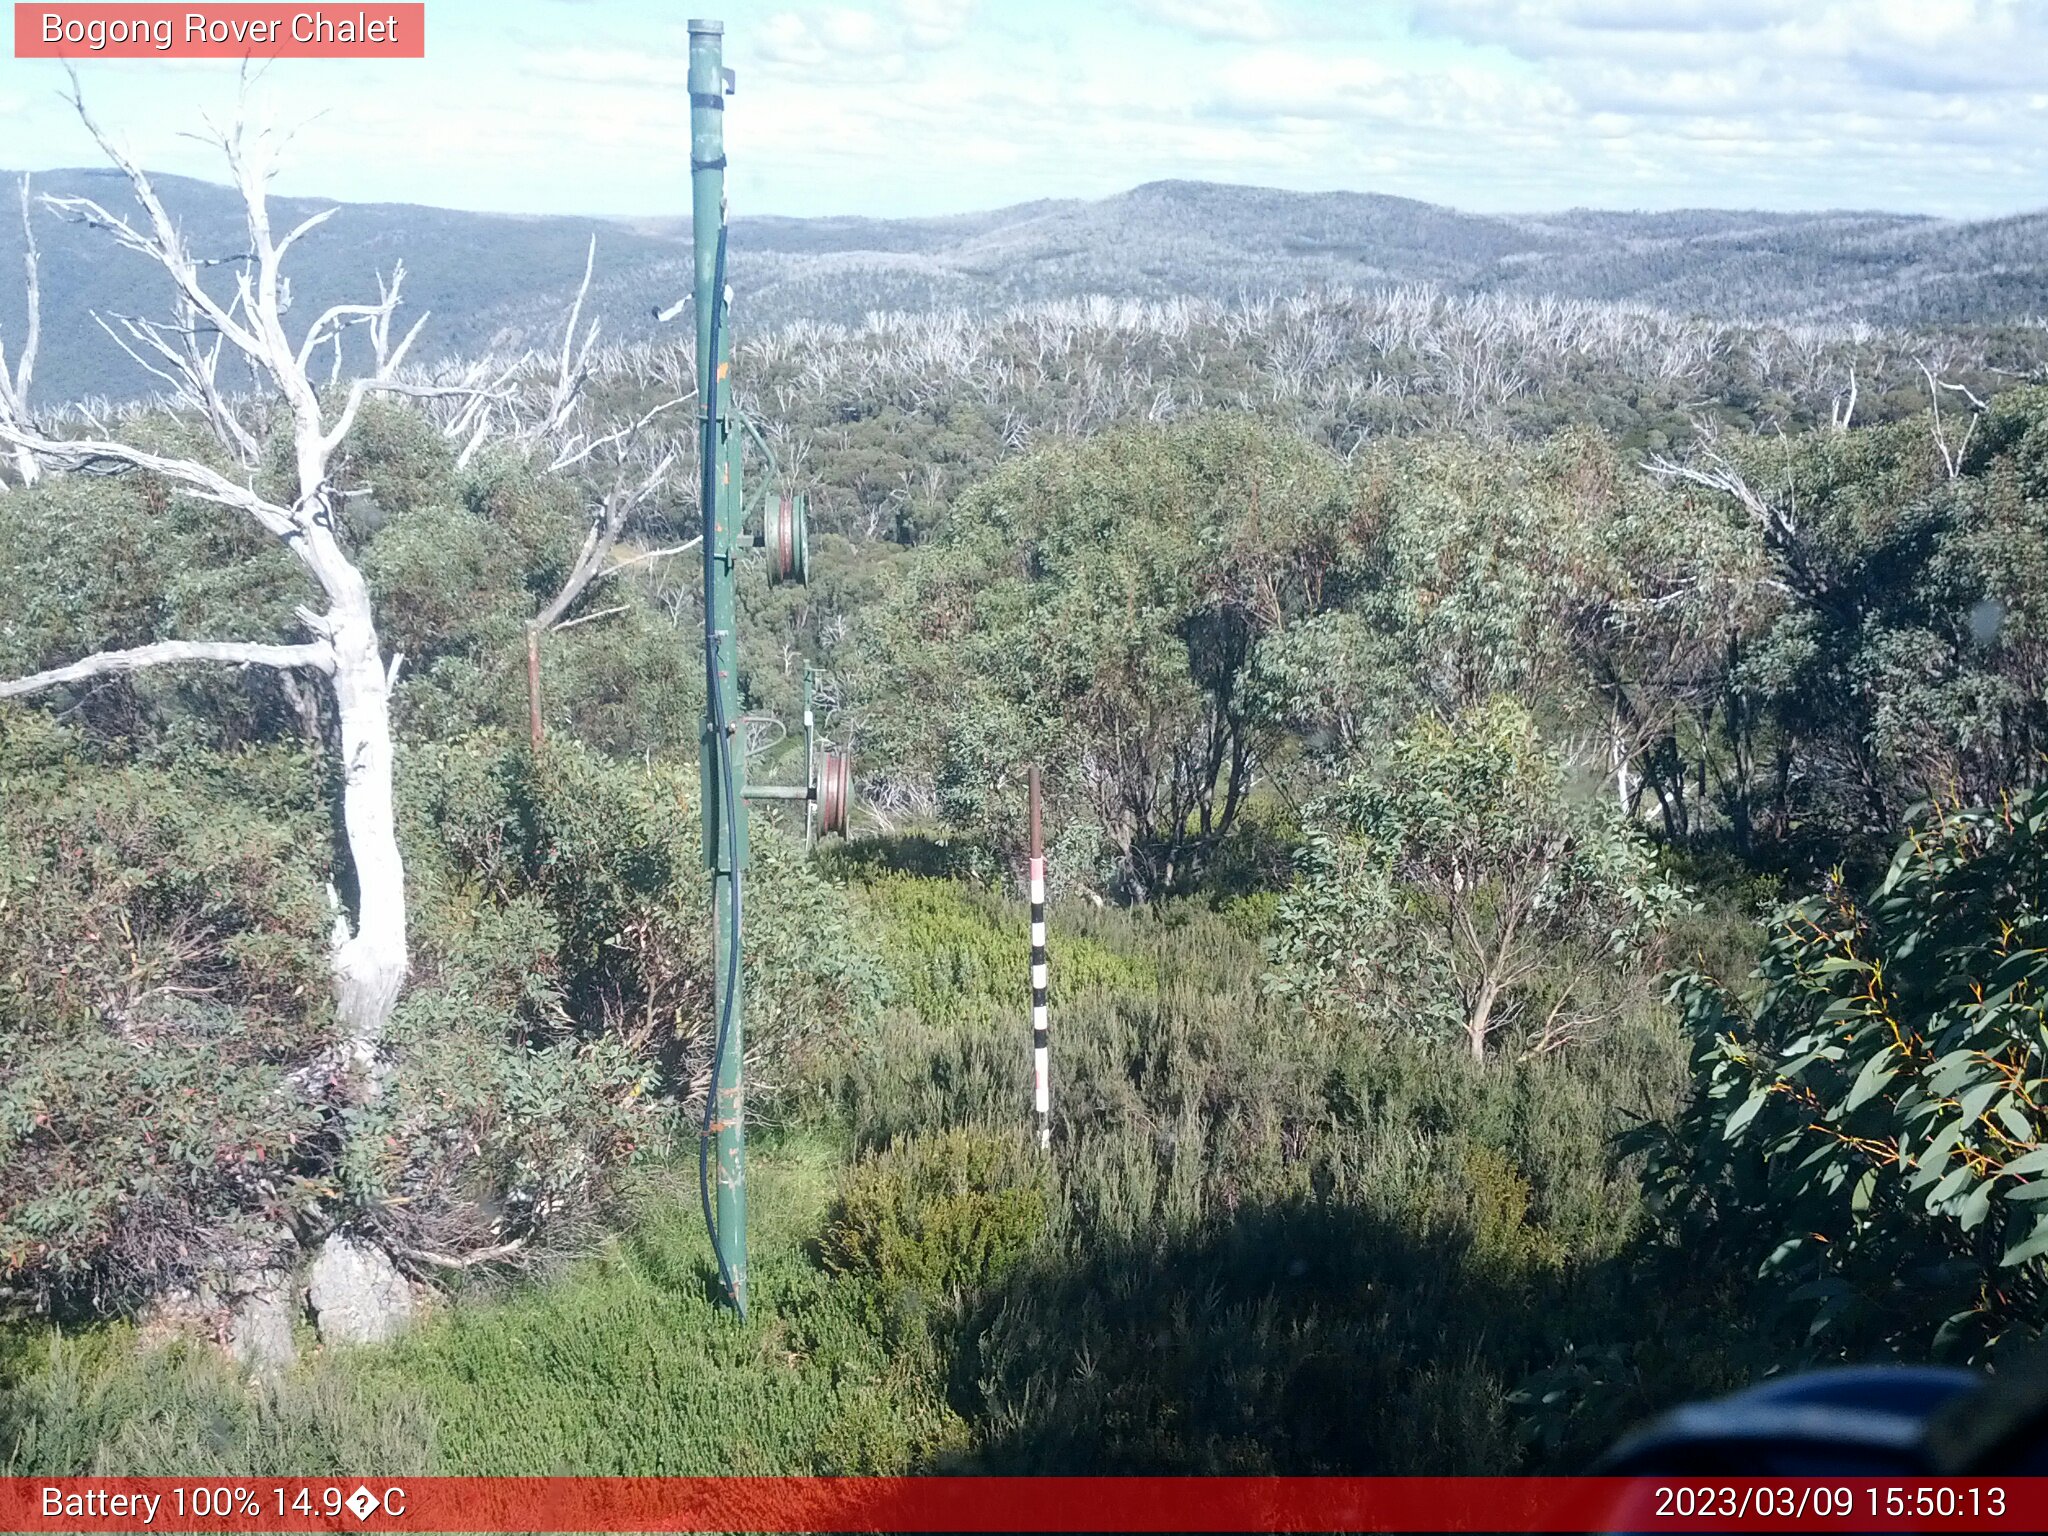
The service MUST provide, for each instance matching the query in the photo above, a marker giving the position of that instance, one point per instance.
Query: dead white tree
(637, 475)
(1842, 409)
(369, 954)
(572, 370)
(1775, 518)
(14, 385)
(1951, 458)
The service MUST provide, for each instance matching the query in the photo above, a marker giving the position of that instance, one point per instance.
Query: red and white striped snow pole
(1041, 1067)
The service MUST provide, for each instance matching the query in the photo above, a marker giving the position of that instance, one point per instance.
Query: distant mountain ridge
(501, 281)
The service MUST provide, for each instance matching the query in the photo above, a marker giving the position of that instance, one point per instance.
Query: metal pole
(1041, 1079)
(725, 834)
(810, 760)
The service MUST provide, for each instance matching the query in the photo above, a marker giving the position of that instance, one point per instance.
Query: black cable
(722, 745)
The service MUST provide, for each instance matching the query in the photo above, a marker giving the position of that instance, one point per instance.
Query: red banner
(1050, 1504)
(375, 31)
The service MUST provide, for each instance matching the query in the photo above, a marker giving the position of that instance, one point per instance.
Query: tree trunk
(1618, 759)
(1479, 1022)
(370, 962)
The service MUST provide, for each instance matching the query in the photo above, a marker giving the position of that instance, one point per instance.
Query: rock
(246, 1314)
(357, 1294)
(259, 1331)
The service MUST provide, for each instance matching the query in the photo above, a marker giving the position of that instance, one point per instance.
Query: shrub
(114, 1405)
(559, 1016)
(163, 995)
(1463, 884)
(1105, 603)
(1869, 1131)
(930, 1222)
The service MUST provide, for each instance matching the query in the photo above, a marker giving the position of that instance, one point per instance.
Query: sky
(913, 107)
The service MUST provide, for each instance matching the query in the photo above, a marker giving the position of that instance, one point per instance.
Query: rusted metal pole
(1041, 1065)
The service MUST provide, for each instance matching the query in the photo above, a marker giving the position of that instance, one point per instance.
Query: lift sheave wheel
(784, 536)
(835, 794)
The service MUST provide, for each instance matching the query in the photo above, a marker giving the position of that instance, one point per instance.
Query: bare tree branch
(14, 386)
(491, 1255)
(92, 453)
(318, 656)
(652, 554)
(607, 523)
(601, 613)
(1951, 459)
(370, 951)
(1842, 409)
(572, 455)
(574, 368)
(1720, 475)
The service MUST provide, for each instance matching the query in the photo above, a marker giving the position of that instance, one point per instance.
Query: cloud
(1244, 21)
(935, 23)
(611, 68)
(899, 106)
(791, 38)
(843, 34)
(1883, 43)
(1287, 83)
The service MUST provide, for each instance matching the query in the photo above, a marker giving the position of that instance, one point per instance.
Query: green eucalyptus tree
(1461, 882)
(1103, 608)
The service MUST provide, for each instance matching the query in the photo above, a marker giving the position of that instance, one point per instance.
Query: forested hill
(490, 279)
(499, 282)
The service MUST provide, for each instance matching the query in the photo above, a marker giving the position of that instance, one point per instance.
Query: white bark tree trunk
(369, 942)
(370, 959)
(14, 384)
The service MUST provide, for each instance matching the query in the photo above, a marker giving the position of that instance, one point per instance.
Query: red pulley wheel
(784, 536)
(835, 794)
(782, 539)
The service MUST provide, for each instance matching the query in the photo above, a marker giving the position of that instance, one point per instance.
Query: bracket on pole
(827, 790)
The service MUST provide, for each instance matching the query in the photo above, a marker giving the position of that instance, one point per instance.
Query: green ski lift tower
(827, 789)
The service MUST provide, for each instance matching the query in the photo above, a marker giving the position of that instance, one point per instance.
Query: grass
(1260, 1245)
(624, 1363)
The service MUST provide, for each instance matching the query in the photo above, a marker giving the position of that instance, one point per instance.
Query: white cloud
(1245, 21)
(1884, 43)
(892, 106)
(611, 67)
(935, 23)
(836, 36)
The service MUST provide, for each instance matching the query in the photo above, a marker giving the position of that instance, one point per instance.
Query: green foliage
(1275, 1246)
(930, 1223)
(540, 513)
(949, 946)
(396, 462)
(1462, 884)
(1266, 1239)
(630, 1364)
(1884, 648)
(91, 563)
(1258, 1245)
(560, 1007)
(118, 1404)
(1100, 609)
(429, 569)
(1869, 1131)
(161, 983)
(169, 1106)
